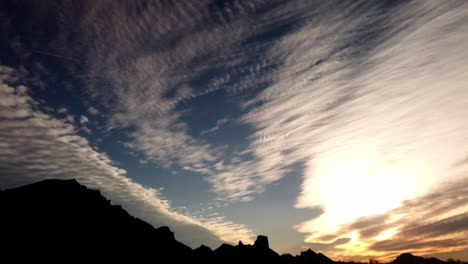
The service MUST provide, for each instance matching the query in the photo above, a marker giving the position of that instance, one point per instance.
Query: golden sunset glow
(387, 234)
(339, 126)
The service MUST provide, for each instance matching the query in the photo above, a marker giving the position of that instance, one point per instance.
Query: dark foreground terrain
(63, 221)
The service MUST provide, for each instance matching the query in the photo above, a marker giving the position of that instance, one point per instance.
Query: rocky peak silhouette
(165, 232)
(53, 218)
(309, 256)
(408, 258)
(204, 249)
(262, 242)
(203, 253)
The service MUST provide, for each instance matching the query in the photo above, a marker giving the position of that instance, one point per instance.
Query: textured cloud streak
(150, 69)
(144, 72)
(35, 146)
(435, 222)
(370, 96)
(379, 120)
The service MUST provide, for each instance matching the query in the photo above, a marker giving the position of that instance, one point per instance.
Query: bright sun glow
(358, 187)
(387, 234)
(355, 183)
(358, 182)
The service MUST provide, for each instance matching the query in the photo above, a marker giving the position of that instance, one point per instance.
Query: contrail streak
(57, 56)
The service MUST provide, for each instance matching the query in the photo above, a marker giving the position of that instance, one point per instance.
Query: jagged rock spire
(262, 242)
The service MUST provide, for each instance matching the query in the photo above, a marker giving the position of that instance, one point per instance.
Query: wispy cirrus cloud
(346, 88)
(216, 127)
(83, 119)
(93, 111)
(195, 50)
(147, 85)
(369, 95)
(35, 146)
(369, 124)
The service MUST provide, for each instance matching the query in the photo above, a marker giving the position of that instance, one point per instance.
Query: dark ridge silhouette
(262, 242)
(408, 258)
(55, 218)
(310, 256)
(257, 253)
(203, 252)
(63, 221)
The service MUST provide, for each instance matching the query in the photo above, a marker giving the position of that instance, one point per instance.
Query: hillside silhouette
(63, 221)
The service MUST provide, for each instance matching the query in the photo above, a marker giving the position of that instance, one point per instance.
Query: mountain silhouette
(408, 258)
(63, 221)
(55, 218)
(257, 253)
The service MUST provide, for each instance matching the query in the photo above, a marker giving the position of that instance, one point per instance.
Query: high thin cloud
(218, 125)
(150, 69)
(92, 111)
(360, 92)
(35, 146)
(369, 95)
(375, 145)
(147, 85)
(373, 114)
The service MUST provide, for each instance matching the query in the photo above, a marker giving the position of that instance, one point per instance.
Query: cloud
(145, 87)
(35, 146)
(340, 81)
(165, 143)
(62, 110)
(142, 73)
(86, 130)
(374, 146)
(70, 118)
(369, 96)
(328, 246)
(369, 125)
(93, 111)
(134, 68)
(216, 127)
(434, 222)
(83, 119)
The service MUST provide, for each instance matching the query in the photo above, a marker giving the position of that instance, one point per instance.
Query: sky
(339, 126)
